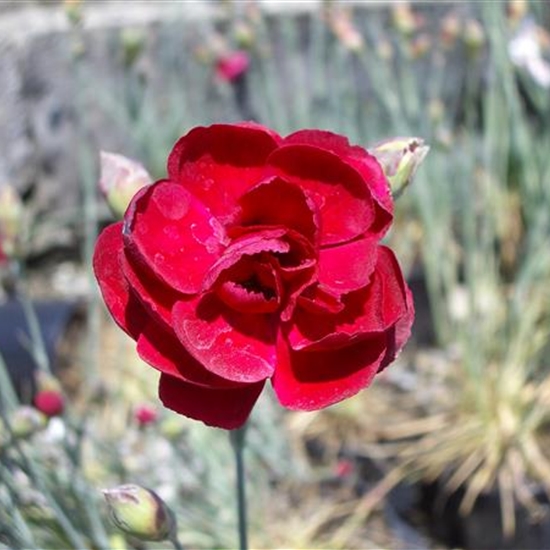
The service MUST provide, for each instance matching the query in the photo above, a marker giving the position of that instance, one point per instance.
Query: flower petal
(373, 309)
(156, 297)
(344, 201)
(404, 325)
(365, 163)
(173, 234)
(221, 408)
(121, 303)
(401, 332)
(219, 163)
(311, 380)
(236, 346)
(278, 202)
(319, 300)
(349, 266)
(163, 351)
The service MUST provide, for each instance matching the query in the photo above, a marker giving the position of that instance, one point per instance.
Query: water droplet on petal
(172, 201)
(159, 258)
(171, 231)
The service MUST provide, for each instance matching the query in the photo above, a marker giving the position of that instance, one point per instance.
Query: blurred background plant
(462, 417)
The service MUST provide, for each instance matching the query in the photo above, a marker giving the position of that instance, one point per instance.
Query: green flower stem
(63, 519)
(176, 543)
(17, 527)
(237, 438)
(37, 346)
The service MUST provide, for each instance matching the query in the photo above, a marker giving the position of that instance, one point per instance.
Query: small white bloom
(525, 53)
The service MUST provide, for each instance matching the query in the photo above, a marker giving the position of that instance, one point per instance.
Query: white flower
(525, 53)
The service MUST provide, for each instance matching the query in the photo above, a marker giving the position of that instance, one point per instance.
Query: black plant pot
(423, 328)
(482, 528)
(57, 320)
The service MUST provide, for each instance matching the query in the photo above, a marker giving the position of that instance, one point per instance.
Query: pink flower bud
(231, 66)
(49, 397)
(145, 415)
(49, 402)
(121, 178)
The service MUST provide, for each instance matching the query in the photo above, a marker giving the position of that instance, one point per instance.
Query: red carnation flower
(258, 258)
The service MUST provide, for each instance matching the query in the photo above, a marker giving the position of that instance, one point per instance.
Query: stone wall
(40, 100)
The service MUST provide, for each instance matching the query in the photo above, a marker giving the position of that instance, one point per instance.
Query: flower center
(254, 285)
(251, 285)
(263, 271)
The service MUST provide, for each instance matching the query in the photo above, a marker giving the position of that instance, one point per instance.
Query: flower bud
(11, 223)
(342, 26)
(49, 398)
(231, 66)
(474, 37)
(140, 512)
(26, 421)
(404, 19)
(49, 402)
(132, 41)
(400, 158)
(121, 178)
(73, 11)
(145, 415)
(517, 10)
(243, 34)
(451, 27)
(420, 46)
(118, 541)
